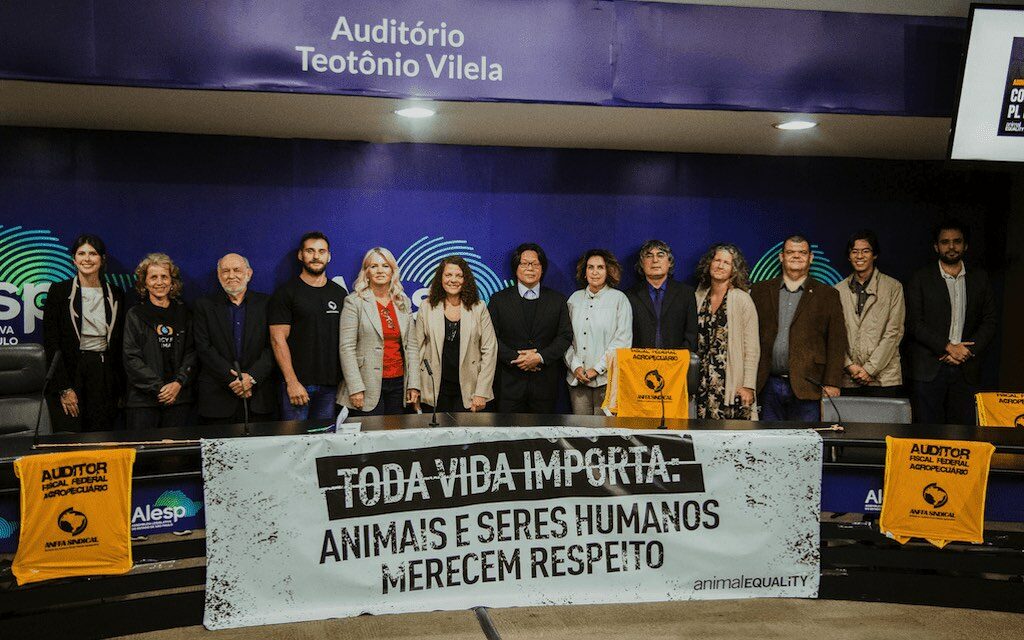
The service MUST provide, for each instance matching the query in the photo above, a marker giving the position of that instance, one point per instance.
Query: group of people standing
(768, 351)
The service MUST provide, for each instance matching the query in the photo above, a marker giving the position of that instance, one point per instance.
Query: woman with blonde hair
(455, 336)
(159, 355)
(727, 338)
(374, 344)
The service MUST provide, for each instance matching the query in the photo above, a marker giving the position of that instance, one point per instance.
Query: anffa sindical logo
(935, 495)
(1019, 421)
(71, 521)
(30, 261)
(418, 262)
(7, 529)
(768, 266)
(654, 380)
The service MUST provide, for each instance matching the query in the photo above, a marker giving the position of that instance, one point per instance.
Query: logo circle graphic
(71, 521)
(332, 305)
(768, 266)
(164, 330)
(654, 381)
(1019, 421)
(935, 495)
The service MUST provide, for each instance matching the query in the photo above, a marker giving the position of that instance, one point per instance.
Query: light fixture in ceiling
(795, 125)
(415, 112)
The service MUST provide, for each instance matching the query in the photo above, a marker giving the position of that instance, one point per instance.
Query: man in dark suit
(803, 338)
(532, 325)
(231, 331)
(952, 315)
(664, 310)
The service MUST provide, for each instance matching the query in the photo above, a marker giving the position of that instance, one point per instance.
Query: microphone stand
(661, 395)
(42, 396)
(433, 389)
(245, 400)
(838, 426)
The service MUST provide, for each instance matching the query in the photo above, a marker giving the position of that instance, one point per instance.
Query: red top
(393, 365)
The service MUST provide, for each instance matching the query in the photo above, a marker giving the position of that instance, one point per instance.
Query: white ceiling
(36, 104)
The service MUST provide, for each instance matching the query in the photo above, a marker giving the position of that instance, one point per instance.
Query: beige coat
(361, 347)
(478, 352)
(744, 350)
(874, 336)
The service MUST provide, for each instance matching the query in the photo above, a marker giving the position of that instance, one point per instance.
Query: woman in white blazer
(727, 336)
(374, 343)
(454, 336)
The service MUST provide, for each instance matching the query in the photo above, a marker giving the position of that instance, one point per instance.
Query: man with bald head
(233, 341)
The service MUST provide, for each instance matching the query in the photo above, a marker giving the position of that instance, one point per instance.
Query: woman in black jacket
(83, 319)
(159, 355)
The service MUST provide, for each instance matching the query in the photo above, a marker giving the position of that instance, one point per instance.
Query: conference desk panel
(858, 563)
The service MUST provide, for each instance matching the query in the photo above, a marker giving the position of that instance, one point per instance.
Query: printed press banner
(324, 526)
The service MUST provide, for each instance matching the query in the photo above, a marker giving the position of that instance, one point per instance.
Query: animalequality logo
(768, 266)
(30, 261)
(418, 262)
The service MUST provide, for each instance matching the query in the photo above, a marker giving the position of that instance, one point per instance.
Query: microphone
(42, 394)
(839, 417)
(433, 389)
(245, 401)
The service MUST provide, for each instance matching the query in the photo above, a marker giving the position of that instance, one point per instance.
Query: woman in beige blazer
(454, 336)
(727, 339)
(375, 348)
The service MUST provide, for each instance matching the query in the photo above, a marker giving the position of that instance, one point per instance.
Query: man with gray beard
(231, 331)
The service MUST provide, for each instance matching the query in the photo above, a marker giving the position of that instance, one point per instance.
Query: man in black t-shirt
(303, 317)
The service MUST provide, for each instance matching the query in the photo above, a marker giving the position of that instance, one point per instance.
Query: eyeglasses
(861, 252)
(529, 265)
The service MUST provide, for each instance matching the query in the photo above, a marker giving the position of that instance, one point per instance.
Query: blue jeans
(778, 403)
(320, 407)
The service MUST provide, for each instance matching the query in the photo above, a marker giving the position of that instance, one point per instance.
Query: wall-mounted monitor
(988, 123)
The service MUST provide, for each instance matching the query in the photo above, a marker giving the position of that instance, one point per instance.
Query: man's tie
(657, 318)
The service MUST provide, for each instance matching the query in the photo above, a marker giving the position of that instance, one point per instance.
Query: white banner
(336, 525)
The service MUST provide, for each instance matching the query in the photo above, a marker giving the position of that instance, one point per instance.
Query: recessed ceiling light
(415, 112)
(795, 125)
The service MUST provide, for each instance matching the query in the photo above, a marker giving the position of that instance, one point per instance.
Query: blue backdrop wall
(198, 197)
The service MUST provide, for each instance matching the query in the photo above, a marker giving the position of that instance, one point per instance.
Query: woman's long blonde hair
(362, 284)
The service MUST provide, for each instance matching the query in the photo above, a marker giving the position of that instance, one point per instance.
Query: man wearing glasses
(664, 310)
(532, 326)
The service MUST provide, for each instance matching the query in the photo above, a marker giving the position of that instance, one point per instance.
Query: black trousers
(158, 417)
(238, 417)
(948, 399)
(97, 389)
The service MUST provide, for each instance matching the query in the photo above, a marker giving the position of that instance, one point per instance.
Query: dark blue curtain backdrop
(198, 197)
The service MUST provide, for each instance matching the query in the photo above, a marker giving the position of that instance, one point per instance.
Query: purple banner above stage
(561, 51)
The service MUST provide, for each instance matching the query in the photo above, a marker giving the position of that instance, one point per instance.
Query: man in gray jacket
(874, 313)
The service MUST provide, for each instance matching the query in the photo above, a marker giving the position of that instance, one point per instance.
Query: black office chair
(692, 380)
(22, 371)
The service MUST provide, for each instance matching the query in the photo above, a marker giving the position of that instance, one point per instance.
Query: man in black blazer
(532, 326)
(952, 318)
(664, 310)
(231, 327)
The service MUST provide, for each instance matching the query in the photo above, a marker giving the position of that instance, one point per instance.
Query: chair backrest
(856, 409)
(22, 371)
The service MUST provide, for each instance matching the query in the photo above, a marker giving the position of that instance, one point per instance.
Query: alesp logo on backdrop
(165, 511)
(768, 266)
(418, 263)
(30, 261)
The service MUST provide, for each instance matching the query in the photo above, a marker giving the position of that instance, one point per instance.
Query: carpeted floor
(705, 620)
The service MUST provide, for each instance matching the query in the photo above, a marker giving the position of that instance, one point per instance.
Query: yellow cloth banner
(75, 514)
(1000, 409)
(935, 489)
(639, 378)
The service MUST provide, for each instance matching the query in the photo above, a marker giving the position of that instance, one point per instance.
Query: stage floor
(708, 620)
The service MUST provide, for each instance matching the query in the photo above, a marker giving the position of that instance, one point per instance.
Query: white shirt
(94, 320)
(601, 323)
(957, 288)
(534, 291)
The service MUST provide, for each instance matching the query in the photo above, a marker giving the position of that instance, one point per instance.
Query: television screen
(989, 120)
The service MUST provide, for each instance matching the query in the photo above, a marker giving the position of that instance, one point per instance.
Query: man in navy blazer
(532, 326)
(951, 312)
(231, 327)
(664, 310)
